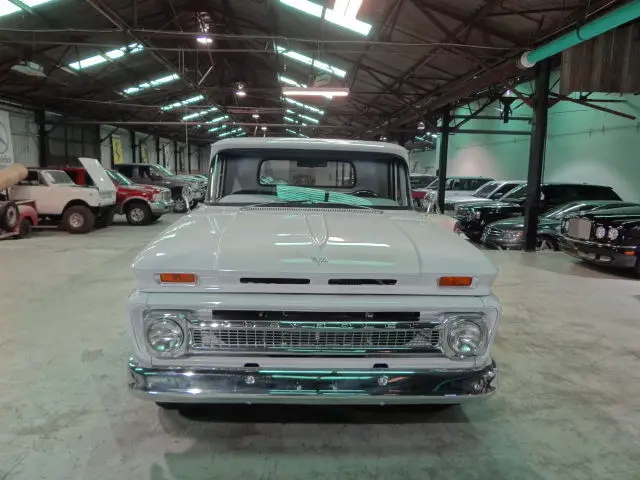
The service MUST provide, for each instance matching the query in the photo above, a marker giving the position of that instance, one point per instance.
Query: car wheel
(179, 204)
(546, 243)
(78, 219)
(24, 229)
(106, 219)
(9, 216)
(138, 214)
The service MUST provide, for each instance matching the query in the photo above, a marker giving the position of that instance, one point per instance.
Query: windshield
(310, 178)
(58, 177)
(516, 195)
(118, 178)
(162, 170)
(485, 190)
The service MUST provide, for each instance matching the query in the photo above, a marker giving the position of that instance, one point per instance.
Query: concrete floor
(568, 406)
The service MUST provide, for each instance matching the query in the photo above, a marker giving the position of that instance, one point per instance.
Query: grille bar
(314, 337)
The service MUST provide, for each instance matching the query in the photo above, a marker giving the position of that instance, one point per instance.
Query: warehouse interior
(541, 93)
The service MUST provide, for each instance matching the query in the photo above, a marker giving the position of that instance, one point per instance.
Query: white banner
(6, 146)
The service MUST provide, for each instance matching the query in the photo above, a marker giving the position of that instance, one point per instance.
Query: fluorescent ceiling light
(311, 119)
(153, 83)
(317, 64)
(199, 114)
(204, 40)
(315, 91)
(343, 14)
(219, 119)
(7, 8)
(293, 132)
(98, 59)
(289, 119)
(231, 132)
(293, 83)
(304, 106)
(181, 103)
(215, 129)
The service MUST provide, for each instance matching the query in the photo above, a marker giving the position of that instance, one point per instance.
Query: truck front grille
(579, 228)
(313, 337)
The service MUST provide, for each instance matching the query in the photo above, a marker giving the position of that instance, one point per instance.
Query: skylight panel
(199, 114)
(215, 129)
(343, 13)
(7, 8)
(181, 103)
(306, 60)
(102, 58)
(304, 106)
(153, 83)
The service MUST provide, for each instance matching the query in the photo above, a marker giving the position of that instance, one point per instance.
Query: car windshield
(515, 195)
(58, 177)
(118, 178)
(310, 178)
(163, 171)
(485, 190)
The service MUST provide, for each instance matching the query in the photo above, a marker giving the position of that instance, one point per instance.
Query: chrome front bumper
(305, 386)
(161, 207)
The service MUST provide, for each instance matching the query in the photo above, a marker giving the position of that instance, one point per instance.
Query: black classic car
(509, 234)
(472, 219)
(605, 237)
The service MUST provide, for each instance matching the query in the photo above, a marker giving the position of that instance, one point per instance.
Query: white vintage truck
(307, 277)
(59, 200)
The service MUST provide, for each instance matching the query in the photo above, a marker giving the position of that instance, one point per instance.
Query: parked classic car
(274, 292)
(509, 234)
(490, 191)
(454, 187)
(59, 200)
(419, 183)
(141, 204)
(186, 190)
(605, 237)
(472, 219)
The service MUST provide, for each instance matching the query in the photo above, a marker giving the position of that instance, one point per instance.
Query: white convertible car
(307, 277)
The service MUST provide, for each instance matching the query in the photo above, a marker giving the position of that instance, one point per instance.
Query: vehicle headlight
(512, 235)
(164, 336)
(477, 214)
(466, 338)
(613, 234)
(600, 233)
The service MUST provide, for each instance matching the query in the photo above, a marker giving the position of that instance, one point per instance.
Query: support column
(536, 154)
(132, 135)
(188, 157)
(158, 150)
(43, 142)
(442, 160)
(175, 157)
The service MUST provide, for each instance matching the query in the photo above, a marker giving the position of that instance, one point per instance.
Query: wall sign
(116, 150)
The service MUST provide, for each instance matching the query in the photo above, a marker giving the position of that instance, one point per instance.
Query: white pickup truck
(59, 200)
(307, 277)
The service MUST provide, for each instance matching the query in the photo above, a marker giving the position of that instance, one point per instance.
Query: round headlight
(165, 336)
(601, 232)
(613, 234)
(465, 338)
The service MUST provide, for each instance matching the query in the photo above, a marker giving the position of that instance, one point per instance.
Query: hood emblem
(319, 260)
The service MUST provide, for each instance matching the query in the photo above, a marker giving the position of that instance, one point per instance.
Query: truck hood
(517, 223)
(303, 250)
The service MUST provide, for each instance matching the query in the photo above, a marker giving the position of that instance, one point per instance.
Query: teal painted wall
(583, 145)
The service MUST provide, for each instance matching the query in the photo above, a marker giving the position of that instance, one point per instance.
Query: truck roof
(310, 144)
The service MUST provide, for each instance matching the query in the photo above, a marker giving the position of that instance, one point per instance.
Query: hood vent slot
(276, 281)
(361, 281)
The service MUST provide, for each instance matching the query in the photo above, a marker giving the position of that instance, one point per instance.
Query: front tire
(546, 243)
(24, 229)
(179, 204)
(9, 216)
(138, 214)
(78, 219)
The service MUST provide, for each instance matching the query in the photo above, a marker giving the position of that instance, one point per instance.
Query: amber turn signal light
(455, 281)
(178, 278)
